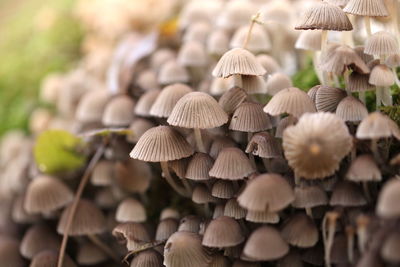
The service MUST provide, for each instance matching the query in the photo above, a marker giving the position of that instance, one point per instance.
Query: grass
(37, 37)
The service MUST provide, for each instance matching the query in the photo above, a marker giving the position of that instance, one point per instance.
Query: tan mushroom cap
(259, 41)
(218, 42)
(184, 249)
(201, 195)
(370, 8)
(91, 106)
(234, 210)
(324, 16)
(220, 143)
(377, 125)
(218, 211)
(45, 194)
(90, 254)
(147, 258)
(391, 247)
(165, 229)
(133, 234)
(168, 98)
(235, 14)
(192, 54)
(138, 127)
(161, 143)
(309, 197)
(309, 40)
(161, 56)
(133, 175)
(145, 102)
(381, 43)
(223, 232)
(36, 239)
(49, 258)
(339, 3)
(277, 82)
(199, 166)
(393, 61)
(119, 111)
(88, 219)
(388, 200)
(249, 117)
(231, 164)
(222, 189)
(290, 100)
(381, 75)
(232, 98)
(283, 124)
(328, 98)
(320, 137)
(300, 231)
(147, 80)
(265, 244)
(172, 72)
(218, 86)
(103, 173)
(197, 110)
(269, 63)
(253, 84)
(262, 217)
(347, 194)
(363, 169)
(190, 223)
(130, 210)
(351, 109)
(359, 82)
(264, 145)
(266, 192)
(238, 61)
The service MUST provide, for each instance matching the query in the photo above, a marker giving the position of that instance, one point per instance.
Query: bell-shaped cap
(145, 102)
(161, 143)
(347, 194)
(370, 8)
(133, 175)
(147, 80)
(223, 189)
(218, 42)
(165, 229)
(320, 137)
(190, 223)
(351, 109)
(130, 210)
(138, 127)
(277, 82)
(232, 98)
(264, 145)
(388, 200)
(309, 197)
(234, 210)
(382, 76)
(199, 166)
(147, 258)
(309, 40)
(342, 57)
(197, 110)
(359, 82)
(269, 63)
(172, 72)
(90, 254)
(259, 41)
(377, 125)
(300, 231)
(202, 195)
(266, 192)
(119, 111)
(91, 106)
(249, 117)
(364, 169)
(36, 239)
(328, 98)
(223, 232)
(49, 258)
(192, 54)
(381, 43)
(133, 234)
(262, 217)
(161, 56)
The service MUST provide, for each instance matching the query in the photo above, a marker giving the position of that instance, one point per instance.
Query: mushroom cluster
(213, 158)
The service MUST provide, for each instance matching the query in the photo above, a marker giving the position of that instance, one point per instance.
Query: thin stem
(367, 21)
(378, 95)
(199, 140)
(171, 181)
(350, 243)
(96, 157)
(251, 156)
(366, 191)
(309, 212)
(324, 43)
(103, 246)
(346, 76)
(248, 36)
(362, 97)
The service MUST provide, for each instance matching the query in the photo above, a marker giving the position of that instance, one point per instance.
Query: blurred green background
(36, 37)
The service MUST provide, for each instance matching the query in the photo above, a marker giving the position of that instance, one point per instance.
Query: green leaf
(105, 132)
(55, 151)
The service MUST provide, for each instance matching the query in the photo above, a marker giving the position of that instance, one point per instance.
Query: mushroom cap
(145, 102)
(222, 189)
(238, 61)
(283, 124)
(266, 192)
(231, 164)
(364, 169)
(264, 145)
(199, 166)
(377, 125)
(234, 210)
(103, 173)
(192, 54)
(309, 40)
(391, 247)
(253, 84)
(328, 98)
(147, 258)
(393, 61)
(232, 98)
(138, 127)
(300, 231)
(91, 106)
(167, 99)
(381, 43)
(161, 143)
(324, 16)
(359, 82)
(339, 3)
(172, 72)
(36, 239)
(370, 8)
(382, 76)
(259, 41)
(90, 254)
(202, 195)
(161, 56)
(249, 117)
(134, 234)
(290, 100)
(218, 42)
(309, 197)
(276, 82)
(49, 258)
(197, 110)
(130, 210)
(165, 229)
(262, 217)
(223, 232)
(197, 32)
(388, 200)
(190, 223)
(45, 194)
(320, 137)
(88, 219)
(235, 14)
(219, 86)
(220, 143)
(147, 80)
(265, 244)
(347, 194)
(119, 111)
(269, 63)
(133, 175)
(351, 109)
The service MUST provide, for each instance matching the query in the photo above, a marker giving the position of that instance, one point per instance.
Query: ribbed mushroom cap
(391, 247)
(147, 258)
(201, 195)
(197, 110)
(393, 61)
(218, 42)
(360, 50)
(222, 189)
(351, 109)
(328, 98)
(161, 143)
(388, 200)
(238, 61)
(49, 258)
(262, 217)
(266, 192)
(147, 80)
(161, 56)
(312, 92)
(309, 40)
(235, 14)
(381, 75)
(145, 102)
(290, 100)
(269, 63)
(359, 82)
(232, 98)
(341, 57)
(321, 137)
(347, 194)
(45, 194)
(167, 99)
(218, 211)
(324, 16)
(364, 169)
(370, 8)
(36, 239)
(253, 84)
(223, 232)
(199, 166)
(249, 117)
(220, 143)
(19, 214)
(283, 124)
(190, 223)
(138, 127)
(339, 3)
(88, 219)
(103, 173)
(165, 229)
(192, 54)
(133, 234)
(277, 82)
(233, 209)
(259, 41)
(133, 175)
(90, 254)
(264, 145)
(184, 249)
(300, 231)
(106, 198)
(309, 197)
(91, 106)
(130, 210)
(231, 164)
(171, 72)
(377, 125)
(265, 244)
(381, 43)
(118, 111)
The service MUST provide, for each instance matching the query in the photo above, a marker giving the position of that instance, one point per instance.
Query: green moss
(306, 78)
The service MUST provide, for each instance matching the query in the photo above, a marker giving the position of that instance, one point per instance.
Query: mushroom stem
(361, 96)
(309, 212)
(171, 181)
(375, 150)
(96, 157)
(346, 76)
(251, 156)
(267, 164)
(362, 235)
(367, 21)
(366, 191)
(324, 43)
(330, 223)
(317, 70)
(396, 79)
(350, 243)
(378, 95)
(199, 140)
(103, 246)
(248, 36)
